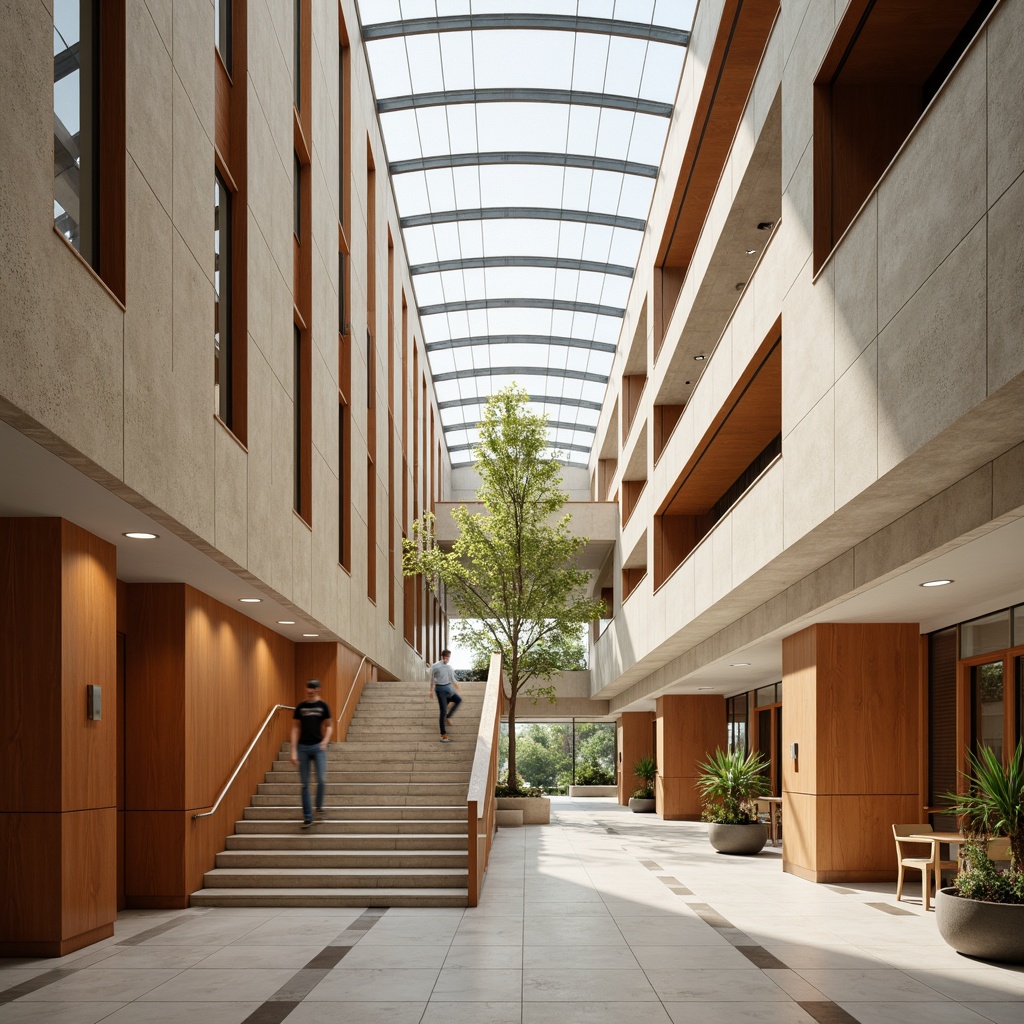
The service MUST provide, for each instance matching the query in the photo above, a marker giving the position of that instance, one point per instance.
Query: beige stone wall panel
(1006, 287)
(757, 525)
(855, 277)
(856, 427)
(192, 181)
(808, 345)
(1005, 97)
(931, 356)
(231, 497)
(193, 31)
(809, 461)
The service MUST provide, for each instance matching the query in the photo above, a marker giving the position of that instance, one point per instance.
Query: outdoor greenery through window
(556, 755)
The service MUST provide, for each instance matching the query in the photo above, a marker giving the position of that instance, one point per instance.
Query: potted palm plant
(642, 801)
(730, 783)
(982, 913)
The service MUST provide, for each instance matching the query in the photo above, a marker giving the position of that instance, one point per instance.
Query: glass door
(988, 711)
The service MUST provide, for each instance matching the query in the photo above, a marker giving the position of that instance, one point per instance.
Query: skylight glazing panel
(588, 73)
(625, 65)
(582, 130)
(520, 185)
(460, 122)
(660, 78)
(401, 130)
(461, 71)
(646, 136)
(411, 193)
(517, 321)
(424, 64)
(447, 390)
(390, 67)
(521, 126)
(380, 10)
(635, 196)
(521, 237)
(454, 188)
(443, 361)
(523, 59)
(675, 13)
(429, 290)
(624, 246)
(510, 282)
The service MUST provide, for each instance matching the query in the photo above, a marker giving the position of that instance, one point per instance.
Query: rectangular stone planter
(593, 791)
(536, 809)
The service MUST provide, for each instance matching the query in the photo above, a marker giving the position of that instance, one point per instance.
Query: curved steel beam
(610, 220)
(519, 339)
(554, 446)
(583, 428)
(581, 97)
(591, 163)
(576, 403)
(522, 371)
(545, 262)
(461, 305)
(548, 22)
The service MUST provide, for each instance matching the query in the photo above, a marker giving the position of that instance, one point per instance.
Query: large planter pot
(988, 931)
(740, 839)
(536, 809)
(641, 805)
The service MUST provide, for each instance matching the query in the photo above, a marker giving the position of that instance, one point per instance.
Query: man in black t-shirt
(311, 732)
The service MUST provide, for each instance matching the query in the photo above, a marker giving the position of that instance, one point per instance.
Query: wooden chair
(999, 850)
(931, 867)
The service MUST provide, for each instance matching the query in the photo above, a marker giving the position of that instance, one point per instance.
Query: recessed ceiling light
(699, 359)
(310, 634)
(250, 600)
(705, 687)
(687, 382)
(286, 622)
(740, 664)
(137, 535)
(750, 252)
(936, 583)
(766, 225)
(740, 286)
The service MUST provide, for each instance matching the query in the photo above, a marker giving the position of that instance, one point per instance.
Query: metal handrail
(352, 690)
(245, 757)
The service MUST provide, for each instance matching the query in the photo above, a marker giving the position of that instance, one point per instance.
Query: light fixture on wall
(139, 535)
(311, 634)
(286, 622)
(936, 583)
(250, 600)
(705, 687)
(740, 664)
(750, 252)
(766, 225)
(699, 359)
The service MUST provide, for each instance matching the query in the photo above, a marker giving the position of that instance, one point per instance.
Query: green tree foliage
(512, 574)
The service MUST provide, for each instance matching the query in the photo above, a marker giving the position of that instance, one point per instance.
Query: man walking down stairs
(394, 833)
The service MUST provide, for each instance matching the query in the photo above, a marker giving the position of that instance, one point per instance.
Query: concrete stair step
(384, 829)
(318, 838)
(384, 789)
(291, 775)
(342, 860)
(349, 800)
(302, 897)
(370, 812)
(326, 878)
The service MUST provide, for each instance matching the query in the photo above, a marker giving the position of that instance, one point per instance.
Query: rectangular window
(988, 707)
(942, 743)
(222, 300)
(222, 30)
(342, 311)
(297, 198)
(988, 633)
(297, 401)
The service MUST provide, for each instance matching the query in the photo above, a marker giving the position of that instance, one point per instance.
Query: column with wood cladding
(635, 739)
(851, 695)
(688, 728)
(58, 797)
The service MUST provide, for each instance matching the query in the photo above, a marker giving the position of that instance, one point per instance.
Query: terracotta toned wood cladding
(688, 728)
(633, 385)
(852, 696)
(635, 740)
(665, 418)
(746, 422)
(743, 32)
(631, 491)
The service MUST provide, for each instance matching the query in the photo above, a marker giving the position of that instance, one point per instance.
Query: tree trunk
(512, 776)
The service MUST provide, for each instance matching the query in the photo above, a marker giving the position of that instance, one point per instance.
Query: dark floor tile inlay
(710, 916)
(760, 957)
(328, 957)
(828, 1013)
(270, 1013)
(8, 995)
(681, 890)
(651, 865)
(152, 933)
(895, 911)
(298, 986)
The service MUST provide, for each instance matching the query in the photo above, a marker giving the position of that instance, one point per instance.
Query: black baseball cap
(313, 684)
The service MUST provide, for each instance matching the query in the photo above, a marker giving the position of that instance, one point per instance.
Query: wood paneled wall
(200, 678)
(635, 739)
(688, 728)
(58, 818)
(851, 694)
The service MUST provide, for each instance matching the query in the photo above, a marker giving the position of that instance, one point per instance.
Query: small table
(953, 839)
(774, 816)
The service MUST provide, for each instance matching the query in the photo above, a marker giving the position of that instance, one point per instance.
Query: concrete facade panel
(856, 397)
(231, 497)
(192, 174)
(931, 356)
(1005, 96)
(757, 525)
(192, 27)
(808, 453)
(855, 267)
(1005, 292)
(808, 346)
(934, 193)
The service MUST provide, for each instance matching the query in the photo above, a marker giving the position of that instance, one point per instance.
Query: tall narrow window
(297, 389)
(297, 199)
(222, 31)
(222, 380)
(75, 126)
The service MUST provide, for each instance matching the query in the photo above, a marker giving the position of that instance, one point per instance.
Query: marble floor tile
(363, 956)
(182, 1013)
(21, 1012)
(473, 1013)
(104, 986)
(715, 985)
(366, 985)
(845, 986)
(552, 985)
(220, 984)
(475, 986)
(345, 1012)
(589, 1012)
(917, 1013)
(581, 957)
(476, 957)
(736, 1012)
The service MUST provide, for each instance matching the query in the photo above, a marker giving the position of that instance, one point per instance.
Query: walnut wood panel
(354, 673)
(88, 645)
(30, 660)
(119, 771)
(154, 747)
(631, 579)
(631, 491)
(154, 847)
(800, 721)
(635, 740)
(30, 880)
(633, 385)
(88, 871)
(747, 421)
(688, 729)
(664, 422)
(743, 31)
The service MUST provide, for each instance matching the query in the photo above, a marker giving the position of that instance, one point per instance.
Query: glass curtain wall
(556, 755)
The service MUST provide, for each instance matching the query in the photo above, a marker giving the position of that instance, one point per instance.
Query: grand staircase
(395, 834)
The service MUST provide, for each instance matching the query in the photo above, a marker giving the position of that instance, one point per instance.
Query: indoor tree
(512, 574)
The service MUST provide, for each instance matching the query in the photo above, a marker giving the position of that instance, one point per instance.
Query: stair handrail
(245, 757)
(480, 799)
(352, 689)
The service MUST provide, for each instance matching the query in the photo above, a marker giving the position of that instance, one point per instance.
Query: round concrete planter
(741, 839)
(640, 805)
(988, 931)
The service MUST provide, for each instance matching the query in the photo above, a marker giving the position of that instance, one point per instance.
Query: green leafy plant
(730, 783)
(512, 573)
(646, 770)
(518, 788)
(992, 806)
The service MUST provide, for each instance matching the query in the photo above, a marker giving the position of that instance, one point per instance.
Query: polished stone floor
(603, 916)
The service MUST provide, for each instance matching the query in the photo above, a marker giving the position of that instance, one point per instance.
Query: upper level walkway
(602, 917)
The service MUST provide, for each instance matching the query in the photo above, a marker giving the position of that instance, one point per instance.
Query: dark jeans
(311, 752)
(446, 695)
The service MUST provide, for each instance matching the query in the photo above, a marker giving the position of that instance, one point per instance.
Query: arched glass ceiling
(523, 140)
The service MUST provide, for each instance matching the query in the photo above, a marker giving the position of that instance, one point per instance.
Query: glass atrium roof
(523, 140)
